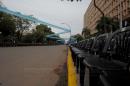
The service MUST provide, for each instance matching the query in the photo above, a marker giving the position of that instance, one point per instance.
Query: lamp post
(98, 8)
(69, 28)
(95, 5)
(120, 13)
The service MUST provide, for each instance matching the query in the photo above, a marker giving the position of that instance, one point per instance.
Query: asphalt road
(31, 66)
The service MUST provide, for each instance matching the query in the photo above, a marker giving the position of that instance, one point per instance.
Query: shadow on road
(61, 71)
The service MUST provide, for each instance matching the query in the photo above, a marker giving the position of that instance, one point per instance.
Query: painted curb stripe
(72, 80)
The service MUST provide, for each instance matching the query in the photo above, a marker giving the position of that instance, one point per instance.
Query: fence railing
(106, 56)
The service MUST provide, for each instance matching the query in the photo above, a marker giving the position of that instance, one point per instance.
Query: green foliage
(77, 37)
(38, 34)
(22, 25)
(43, 29)
(7, 24)
(107, 24)
(85, 32)
(28, 38)
(12, 29)
(41, 32)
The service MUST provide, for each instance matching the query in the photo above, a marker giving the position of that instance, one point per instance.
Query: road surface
(31, 66)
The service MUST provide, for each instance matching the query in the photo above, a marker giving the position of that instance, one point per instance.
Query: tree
(85, 32)
(107, 24)
(7, 24)
(22, 25)
(40, 33)
(28, 38)
(77, 37)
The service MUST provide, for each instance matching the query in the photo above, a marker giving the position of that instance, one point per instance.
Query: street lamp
(69, 28)
(120, 13)
(98, 8)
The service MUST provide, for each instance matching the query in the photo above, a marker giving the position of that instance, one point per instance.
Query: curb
(72, 80)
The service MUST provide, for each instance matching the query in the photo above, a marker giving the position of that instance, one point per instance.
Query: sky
(62, 13)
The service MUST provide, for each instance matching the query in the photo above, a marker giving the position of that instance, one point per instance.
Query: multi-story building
(111, 8)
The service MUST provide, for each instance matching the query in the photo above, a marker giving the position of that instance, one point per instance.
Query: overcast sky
(54, 11)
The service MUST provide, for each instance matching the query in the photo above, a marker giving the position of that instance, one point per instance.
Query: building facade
(111, 8)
